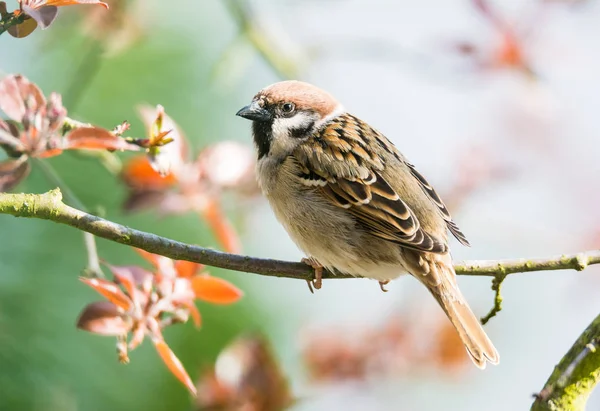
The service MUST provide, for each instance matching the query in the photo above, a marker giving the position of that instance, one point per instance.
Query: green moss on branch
(575, 376)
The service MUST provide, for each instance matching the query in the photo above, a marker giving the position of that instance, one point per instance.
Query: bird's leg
(382, 285)
(318, 281)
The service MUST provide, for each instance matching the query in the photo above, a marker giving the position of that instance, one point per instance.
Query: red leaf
(187, 269)
(96, 138)
(12, 172)
(61, 3)
(49, 153)
(153, 259)
(130, 273)
(194, 312)
(221, 227)
(104, 318)
(14, 91)
(109, 290)
(174, 365)
(139, 174)
(215, 290)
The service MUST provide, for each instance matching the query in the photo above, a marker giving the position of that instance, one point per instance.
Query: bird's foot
(382, 285)
(318, 281)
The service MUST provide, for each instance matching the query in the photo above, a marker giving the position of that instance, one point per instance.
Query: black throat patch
(263, 135)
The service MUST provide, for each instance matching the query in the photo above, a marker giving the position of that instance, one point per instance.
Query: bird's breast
(321, 229)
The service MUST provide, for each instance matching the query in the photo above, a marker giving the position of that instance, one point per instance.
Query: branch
(575, 376)
(497, 288)
(49, 206)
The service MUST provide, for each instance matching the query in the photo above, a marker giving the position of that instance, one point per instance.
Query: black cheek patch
(302, 131)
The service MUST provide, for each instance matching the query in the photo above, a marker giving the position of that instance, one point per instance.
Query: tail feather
(437, 273)
(476, 341)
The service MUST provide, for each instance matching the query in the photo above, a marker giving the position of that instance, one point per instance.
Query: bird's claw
(382, 285)
(317, 283)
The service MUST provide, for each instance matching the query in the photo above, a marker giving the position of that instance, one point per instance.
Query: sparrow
(353, 203)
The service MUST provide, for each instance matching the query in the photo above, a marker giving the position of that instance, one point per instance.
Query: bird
(353, 203)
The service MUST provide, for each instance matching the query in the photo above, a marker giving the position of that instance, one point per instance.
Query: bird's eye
(287, 108)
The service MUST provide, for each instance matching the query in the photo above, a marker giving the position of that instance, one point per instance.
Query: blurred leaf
(187, 269)
(139, 174)
(96, 138)
(104, 318)
(15, 90)
(215, 290)
(174, 365)
(110, 291)
(23, 29)
(44, 16)
(12, 172)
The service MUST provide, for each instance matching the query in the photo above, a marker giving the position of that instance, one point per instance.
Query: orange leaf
(49, 153)
(194, 312)
(60, 3)
(187, 269)
(109, 290)
(221, 227)
(158, 261)
(96, 138)
(139, 174)
(215, 290)
(174, 365)
(104, 318)
(124, 276)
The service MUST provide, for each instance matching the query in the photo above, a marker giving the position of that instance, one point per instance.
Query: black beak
(254, 112)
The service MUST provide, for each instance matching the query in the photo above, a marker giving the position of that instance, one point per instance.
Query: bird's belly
(329, 234)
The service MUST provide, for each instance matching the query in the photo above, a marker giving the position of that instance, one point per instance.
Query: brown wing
(442, 207)
(350, 177)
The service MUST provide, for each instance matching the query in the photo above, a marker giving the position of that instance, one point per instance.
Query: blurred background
(495, 102)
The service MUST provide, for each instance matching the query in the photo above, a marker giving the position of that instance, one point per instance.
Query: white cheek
(282, 126)
(283, 142)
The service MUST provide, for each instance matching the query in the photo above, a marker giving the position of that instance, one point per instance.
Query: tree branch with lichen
(49, 206)
(575, 376)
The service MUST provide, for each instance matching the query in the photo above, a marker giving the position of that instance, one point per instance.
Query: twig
(575, 376)
(496, 287)
(49, 206)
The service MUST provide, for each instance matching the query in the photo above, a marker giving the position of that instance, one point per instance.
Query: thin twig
(496, 287)
(49, 206)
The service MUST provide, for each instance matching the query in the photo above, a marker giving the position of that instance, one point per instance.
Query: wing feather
(336, 162)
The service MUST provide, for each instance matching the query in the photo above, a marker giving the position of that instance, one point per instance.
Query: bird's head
(285, 113)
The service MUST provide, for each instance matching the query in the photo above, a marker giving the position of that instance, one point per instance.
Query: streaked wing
(442, 207)
(349, 176)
